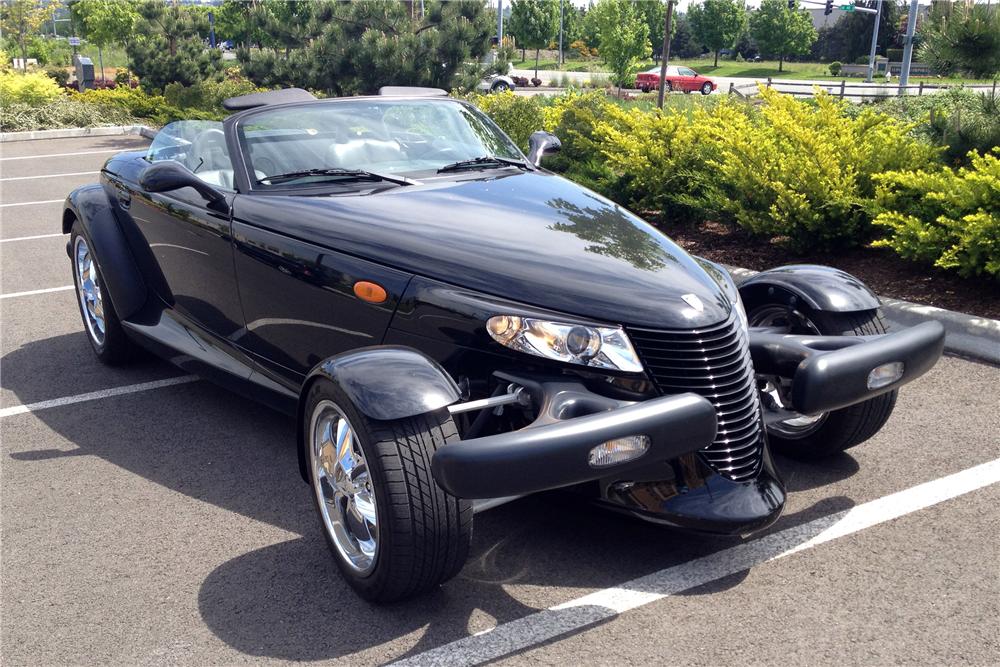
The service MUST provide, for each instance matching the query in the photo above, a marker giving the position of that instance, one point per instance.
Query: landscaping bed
(882, 270)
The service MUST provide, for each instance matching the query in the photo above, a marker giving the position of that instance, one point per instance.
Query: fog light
(884, 375)
(618, 451)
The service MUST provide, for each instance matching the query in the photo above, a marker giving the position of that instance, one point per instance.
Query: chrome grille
(714, 362)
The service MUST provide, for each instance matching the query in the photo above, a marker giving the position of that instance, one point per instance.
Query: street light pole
(665, 55)
(871, 56)
(911, 26)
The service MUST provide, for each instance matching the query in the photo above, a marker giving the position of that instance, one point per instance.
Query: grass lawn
(759, 70)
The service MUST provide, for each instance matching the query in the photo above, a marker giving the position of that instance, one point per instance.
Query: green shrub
(947, 218)
(33, 88)
(958, 119)
(208, 95)
(59, 113)
(58, 74)
(139, 104)
(516, 115)
(835, 67)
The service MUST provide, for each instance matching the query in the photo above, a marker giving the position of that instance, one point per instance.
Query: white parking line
(95, 395)
(604, 605)
(36, 291)
(38, 157)
(30, 238)
(32, 203)
(28, 178)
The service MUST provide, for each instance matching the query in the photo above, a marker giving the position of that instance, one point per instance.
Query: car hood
(531, 237)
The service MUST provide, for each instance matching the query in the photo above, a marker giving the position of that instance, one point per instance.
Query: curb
(72, 132)
(976, 338)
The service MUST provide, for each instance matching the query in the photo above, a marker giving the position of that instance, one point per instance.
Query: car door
(688, 78)
(191, 242)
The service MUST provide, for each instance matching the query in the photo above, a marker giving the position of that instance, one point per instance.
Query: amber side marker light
(370, 292)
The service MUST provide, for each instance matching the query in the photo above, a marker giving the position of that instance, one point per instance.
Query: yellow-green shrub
(947, 218)
(33, 88)
(804, 171)
(516, 115)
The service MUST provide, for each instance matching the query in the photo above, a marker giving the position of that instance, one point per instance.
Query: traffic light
(829, 8)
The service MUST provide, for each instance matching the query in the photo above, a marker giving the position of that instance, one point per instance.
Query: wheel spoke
(343, 487)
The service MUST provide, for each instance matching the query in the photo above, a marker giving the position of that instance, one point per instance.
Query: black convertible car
(455, 327)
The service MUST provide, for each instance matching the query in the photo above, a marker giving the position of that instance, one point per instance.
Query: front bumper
(831, 372)
(553, 451)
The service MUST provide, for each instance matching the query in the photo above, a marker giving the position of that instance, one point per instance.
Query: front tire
(394, 533)
(706, 89)
(500, 87)
(100, 321)
(830, 433)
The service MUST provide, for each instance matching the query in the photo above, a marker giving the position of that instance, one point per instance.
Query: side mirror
(542, 143)
(170, 175)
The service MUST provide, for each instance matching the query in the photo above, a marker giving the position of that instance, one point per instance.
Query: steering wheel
(206, 141)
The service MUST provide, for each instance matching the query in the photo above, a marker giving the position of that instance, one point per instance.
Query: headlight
(597, 347)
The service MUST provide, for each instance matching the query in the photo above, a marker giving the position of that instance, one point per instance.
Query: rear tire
(421, 534)
(500, 86)
(832, 432)
(100, 321)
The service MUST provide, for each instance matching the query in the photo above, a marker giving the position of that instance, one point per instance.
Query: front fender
(384, 382)
(125, 287)
(821, 288)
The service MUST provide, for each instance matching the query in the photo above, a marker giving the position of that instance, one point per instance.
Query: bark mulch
(881, 269)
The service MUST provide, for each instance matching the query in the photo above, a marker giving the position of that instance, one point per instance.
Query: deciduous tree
(624, 38)
(780, 31)
(20, 19)
(106, 22)
(717, 23)
(534, 23)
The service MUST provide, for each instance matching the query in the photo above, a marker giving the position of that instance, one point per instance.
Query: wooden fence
(844, 90)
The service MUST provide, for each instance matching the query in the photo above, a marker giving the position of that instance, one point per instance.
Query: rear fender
(818, 288)
(384, 382)
(125, 287)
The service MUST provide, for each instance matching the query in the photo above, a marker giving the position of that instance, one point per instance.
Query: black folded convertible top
(254, 100)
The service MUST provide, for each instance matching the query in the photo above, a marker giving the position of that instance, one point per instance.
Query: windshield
(390, 136)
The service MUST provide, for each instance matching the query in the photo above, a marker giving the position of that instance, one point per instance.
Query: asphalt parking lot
(150, 518)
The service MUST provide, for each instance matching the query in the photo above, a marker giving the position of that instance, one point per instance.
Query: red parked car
(678, 78)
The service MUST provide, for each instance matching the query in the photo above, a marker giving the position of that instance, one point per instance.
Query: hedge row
(814, 175)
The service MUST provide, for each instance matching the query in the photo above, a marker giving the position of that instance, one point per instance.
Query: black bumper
(553, 451)
(831, 372)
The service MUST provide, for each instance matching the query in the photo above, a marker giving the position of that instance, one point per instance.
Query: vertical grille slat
(682, 360)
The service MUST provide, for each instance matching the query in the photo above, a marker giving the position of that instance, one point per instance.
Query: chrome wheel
(343, 486)
(776, 391)
(88, 288)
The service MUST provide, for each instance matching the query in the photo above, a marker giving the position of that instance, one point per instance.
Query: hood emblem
(693, 301)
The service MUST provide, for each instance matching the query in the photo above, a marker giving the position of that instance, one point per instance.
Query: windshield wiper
(484, 162)
(337, 173)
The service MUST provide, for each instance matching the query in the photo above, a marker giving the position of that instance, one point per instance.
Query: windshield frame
(246, 183)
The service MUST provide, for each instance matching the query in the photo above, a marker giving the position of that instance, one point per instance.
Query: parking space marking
(600, 606)
(32, 203)
(95, 395)
(29, 178)
(13, 295)
(38, 157)
(30, 238)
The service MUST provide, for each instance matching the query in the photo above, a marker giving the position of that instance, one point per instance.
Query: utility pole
(499, 23)
(665, 56)
(871, 56)
(560, 33)
(911, 26)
